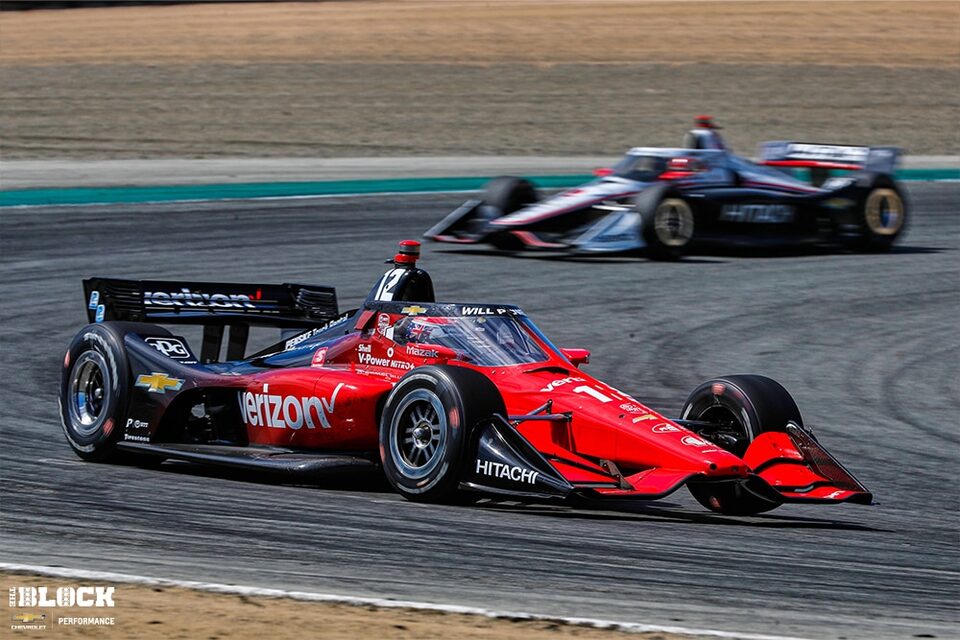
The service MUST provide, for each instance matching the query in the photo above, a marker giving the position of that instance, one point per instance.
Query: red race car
(450, 400)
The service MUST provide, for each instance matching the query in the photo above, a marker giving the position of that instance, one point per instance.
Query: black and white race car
(667, 202)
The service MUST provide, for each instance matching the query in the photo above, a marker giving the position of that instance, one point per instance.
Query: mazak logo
(85, 596)
(419, 352)
(560, 382)
(506, 471)
(187, 298)
(694, 441)
(287, 412)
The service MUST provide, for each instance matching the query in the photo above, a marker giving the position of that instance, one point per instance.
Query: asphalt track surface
(866, 343)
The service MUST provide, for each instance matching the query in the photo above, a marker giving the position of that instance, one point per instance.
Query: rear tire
(742, 407)
(94, 389)
(882, 217)
(425, 425)
(504, 195)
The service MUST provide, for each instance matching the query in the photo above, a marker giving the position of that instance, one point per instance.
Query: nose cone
(610, 424)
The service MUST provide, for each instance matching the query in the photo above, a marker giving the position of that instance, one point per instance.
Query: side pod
(500, 460)
(616, 232)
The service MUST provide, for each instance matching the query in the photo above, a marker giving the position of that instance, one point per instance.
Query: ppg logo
(170, 347)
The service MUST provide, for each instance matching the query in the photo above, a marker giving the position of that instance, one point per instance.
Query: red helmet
(705, 122)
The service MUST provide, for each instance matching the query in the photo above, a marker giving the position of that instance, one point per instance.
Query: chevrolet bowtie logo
(29, 618)
(159, 382)
(414, 310)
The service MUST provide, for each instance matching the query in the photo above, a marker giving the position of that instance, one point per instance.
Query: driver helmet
(704, 135)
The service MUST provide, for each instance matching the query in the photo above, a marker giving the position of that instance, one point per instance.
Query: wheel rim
(884, 212)
(673, 222)
(89, 392)
(730, 432)
(418, 434)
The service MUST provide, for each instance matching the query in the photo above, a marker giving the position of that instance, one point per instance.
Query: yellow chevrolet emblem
(413, 310)
(28, 618)
(158, 382)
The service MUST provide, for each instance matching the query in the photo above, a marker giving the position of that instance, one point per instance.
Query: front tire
(667, 224)
(740, 408)
(425, 425)
(504, 195)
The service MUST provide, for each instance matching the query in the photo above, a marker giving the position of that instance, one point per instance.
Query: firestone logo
(86, 596)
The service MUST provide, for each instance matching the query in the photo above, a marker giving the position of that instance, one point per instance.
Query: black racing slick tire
(425, 426)
(667, 223)
(503, 195)
(882, 216)
(94, 388)
(508, 194)
(739, 408)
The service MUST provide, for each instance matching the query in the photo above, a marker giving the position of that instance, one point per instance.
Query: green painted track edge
(170, 193)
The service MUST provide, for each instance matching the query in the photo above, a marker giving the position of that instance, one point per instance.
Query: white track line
(630, 627)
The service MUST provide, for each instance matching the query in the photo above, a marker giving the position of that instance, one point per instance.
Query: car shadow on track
(354, 481)
(704, 255)
(375, 483)
(643, 512)
(624, 258)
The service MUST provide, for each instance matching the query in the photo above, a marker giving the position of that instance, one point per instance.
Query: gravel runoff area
(166, 612)
(451, 78)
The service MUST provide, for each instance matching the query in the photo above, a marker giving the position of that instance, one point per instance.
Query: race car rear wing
(829, 156)
(214, 305)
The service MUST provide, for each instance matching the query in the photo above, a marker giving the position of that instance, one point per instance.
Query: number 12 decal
(387, 285)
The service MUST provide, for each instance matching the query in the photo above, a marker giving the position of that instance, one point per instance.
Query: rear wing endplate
(829, 156)
(214, 305)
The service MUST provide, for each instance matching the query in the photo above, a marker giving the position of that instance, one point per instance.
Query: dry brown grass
(541, 77)
(894, 33)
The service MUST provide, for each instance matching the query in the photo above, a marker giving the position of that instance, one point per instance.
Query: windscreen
(486, 341)
(640, 168)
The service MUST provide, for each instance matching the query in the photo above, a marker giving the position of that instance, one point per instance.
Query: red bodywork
(610, 443)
